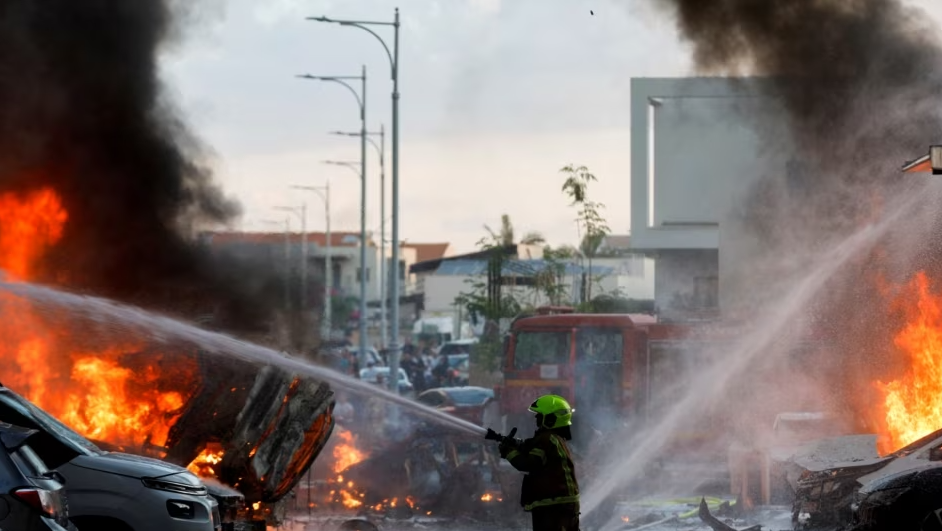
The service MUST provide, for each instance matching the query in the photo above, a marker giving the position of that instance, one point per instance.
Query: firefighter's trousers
(564, 517)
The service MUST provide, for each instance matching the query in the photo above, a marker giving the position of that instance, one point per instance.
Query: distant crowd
(423, 365)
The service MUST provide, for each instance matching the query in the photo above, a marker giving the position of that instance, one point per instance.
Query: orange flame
(91, 391)
(346, 453)
(31, 225)
(203, 464)
(914, 402)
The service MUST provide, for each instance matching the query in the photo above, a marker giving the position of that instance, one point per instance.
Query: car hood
(848, 452)
(131, 465)
(903, 478)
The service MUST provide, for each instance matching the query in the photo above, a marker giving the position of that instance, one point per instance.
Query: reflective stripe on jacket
(551, 477)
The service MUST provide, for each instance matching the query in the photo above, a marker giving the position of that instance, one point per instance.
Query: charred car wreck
(435, 471)
(902, 490)
(251, 434)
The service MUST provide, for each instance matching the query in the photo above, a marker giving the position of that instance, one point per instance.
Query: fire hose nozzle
(494, 436)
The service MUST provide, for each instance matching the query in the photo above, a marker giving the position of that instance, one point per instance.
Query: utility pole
(361, 102)
(383, 270)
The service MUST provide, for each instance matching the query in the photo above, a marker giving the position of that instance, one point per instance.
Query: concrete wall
(683, 282)
(698, 147)
(633, 276)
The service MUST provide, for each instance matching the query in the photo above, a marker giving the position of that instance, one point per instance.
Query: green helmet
(555, 410)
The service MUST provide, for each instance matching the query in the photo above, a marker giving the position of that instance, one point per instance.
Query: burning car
(112, 491)
(897, 491)
(430, 472)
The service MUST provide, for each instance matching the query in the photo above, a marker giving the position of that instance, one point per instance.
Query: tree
(589, 221)
(506, 236)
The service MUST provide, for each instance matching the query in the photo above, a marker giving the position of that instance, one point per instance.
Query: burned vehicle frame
(269, 425)
(902, 490)
(441, 472)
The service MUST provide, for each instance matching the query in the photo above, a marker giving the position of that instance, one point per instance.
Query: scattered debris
(716, 524)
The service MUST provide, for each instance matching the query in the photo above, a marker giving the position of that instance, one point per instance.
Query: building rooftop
(337, 239)
(513, 268)
(428, 251)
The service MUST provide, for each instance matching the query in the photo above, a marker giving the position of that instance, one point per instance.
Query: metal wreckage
(842, 484)
(250, 434)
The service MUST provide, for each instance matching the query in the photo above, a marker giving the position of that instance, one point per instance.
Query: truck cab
(589, 359)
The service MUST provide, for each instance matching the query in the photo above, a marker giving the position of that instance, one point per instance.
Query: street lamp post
(394, 70)
(361, 101)
(324, 193)
(383, 293)
(362, 320)
(301, 212)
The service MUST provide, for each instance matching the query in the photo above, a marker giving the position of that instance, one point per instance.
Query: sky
(497, 96)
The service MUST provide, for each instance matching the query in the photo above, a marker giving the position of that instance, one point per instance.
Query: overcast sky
(497, 95)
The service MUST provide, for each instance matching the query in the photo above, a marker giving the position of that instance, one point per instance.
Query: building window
(402, 270)
(706, 291)
(359, 272)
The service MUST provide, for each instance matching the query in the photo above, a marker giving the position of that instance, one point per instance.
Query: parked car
(898, 491)
(468, 403)
(110, 491)
(32, 497)
(371, 375)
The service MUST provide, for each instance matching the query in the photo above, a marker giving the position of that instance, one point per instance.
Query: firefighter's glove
(506, 446)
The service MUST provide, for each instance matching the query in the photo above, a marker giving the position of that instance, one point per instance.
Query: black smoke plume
(83, 111)
(858, 81)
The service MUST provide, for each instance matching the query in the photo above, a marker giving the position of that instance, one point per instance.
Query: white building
(696, 151)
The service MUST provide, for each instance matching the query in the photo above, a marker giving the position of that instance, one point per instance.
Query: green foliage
(615, 303)
(342, 309)
(488, 355)
(477, 300)
(589, 218)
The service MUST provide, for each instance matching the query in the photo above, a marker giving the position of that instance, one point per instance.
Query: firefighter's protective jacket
(551, 478)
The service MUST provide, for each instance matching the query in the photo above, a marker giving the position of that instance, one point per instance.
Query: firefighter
(550, 492)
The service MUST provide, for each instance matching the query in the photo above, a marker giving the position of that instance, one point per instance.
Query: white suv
(110, 491)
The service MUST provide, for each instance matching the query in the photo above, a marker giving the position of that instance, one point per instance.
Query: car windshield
(48, 423)
(470, 396)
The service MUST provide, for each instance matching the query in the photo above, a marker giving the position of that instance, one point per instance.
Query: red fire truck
(622, 370)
